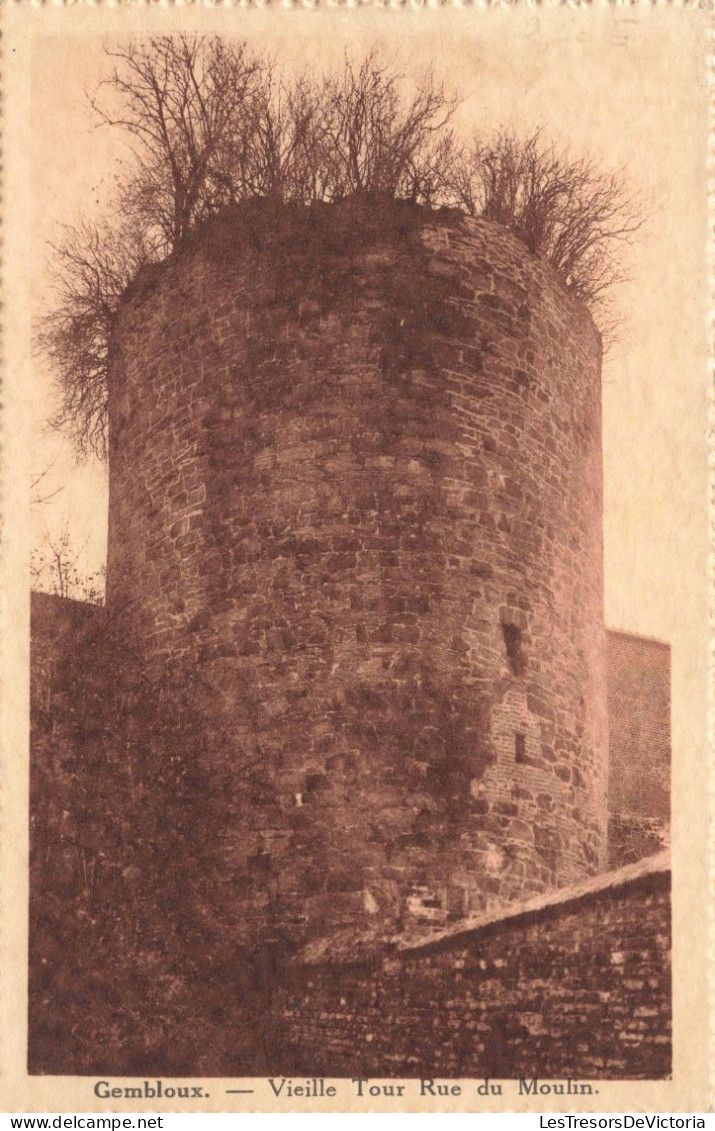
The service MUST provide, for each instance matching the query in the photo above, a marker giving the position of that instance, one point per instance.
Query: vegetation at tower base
(136, 962)
(210, 124)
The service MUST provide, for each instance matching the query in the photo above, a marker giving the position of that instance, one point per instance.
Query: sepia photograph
(366, 531)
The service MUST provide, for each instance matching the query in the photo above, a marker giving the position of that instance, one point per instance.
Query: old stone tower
(355, 485)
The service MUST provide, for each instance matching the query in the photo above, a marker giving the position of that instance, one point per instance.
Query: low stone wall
(576, 984)
(54, 623)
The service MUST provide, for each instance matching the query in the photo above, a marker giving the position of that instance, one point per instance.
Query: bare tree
(92, 267)
(179, 99)
(56, 567)
(277, 154)
(375, 139)
(564, 210)
(211, 124)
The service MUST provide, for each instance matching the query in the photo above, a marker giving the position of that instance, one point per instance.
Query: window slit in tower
(519, 747)
(512, 642)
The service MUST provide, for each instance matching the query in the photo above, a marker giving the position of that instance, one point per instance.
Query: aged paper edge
(19, 1091)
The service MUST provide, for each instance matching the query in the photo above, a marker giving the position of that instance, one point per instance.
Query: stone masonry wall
(576, 985)
(355, 481)
(639, 741)
(56, 625)
(55, 628)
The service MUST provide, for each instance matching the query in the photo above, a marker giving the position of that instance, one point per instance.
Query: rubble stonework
(355, 478)
(514, 995)
(323, 789)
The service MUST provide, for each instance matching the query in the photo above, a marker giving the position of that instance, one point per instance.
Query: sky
(623, 85)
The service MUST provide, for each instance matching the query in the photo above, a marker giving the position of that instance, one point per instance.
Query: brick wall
(355, 479)
(639, 739)
(576, 984)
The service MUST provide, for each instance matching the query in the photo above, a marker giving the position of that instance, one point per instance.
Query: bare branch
(210, 124)
(564, 210)
(56, 567)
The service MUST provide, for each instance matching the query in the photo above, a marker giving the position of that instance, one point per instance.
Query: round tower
(355, 489)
